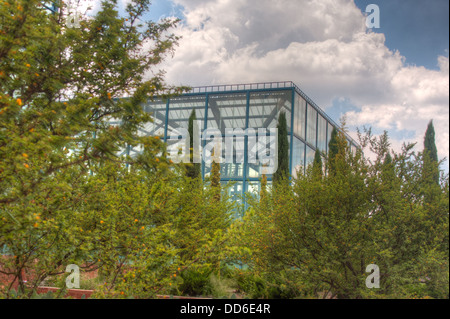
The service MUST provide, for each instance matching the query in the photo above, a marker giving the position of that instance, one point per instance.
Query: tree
(333, 150)
(431, 155)
(192, 169)
(429, 142)
(58, 90)
(282, 172)
(215, 177)
(317, 164)
(319, 235)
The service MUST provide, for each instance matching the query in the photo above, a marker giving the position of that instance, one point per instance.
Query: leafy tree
(325, 232)
(58, 90)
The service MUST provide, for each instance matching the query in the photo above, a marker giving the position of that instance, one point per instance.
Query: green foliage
(192, 169)
(317, 164)
(215, 180)
(195, 281)
(66, 196)
(282, 172)
(333, 150)
(430, 159)
(429, 142)
(327, 230)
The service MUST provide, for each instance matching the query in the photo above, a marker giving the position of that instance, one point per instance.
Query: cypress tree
(333, 150)
(215, 179)
(430, 156)
(192, 169)
(317, 164)
(263, 191)
(283, 150)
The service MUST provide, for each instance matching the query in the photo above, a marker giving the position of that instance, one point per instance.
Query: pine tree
(282, 172)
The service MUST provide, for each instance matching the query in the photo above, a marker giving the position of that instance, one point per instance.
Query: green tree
(282, 172)
(431, 169)
(215, 178)
(58, 90)
(317, 164)
(192, 169)
(325, 232)
(429, 142)
(333, 150)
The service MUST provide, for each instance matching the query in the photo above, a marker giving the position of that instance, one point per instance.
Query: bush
(269, 286)
(195, 281)
(220, 287)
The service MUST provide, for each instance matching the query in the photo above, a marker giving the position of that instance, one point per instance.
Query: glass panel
(180, 109)
(254, 169)
(265, 108)
(312, 124)
(330, 130)
(300, 113)
(157, 110)
(227, 111)
(298, 157)
(234, 169)
(309, 155)
(235, 190)
(254, 188)
(322, 134)
(230, 170)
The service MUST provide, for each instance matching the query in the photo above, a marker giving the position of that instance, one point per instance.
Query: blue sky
(418, 29)
(395, 78)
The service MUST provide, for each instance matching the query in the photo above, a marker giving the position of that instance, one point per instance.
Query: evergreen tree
(263, 191)
(333, 150)
(282, 172)
(215, 178)
(317, 164)
(192, 169)
(429, 143)
(431, 168)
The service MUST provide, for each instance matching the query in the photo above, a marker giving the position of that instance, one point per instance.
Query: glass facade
(241, 107)
(311, 125)
(322, 134)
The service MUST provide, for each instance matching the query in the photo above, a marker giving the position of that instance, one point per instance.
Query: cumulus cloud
(325, 48)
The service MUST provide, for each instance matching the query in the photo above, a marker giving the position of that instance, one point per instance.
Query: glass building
(242, 107)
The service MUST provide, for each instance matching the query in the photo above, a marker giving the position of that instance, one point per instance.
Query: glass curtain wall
(255, 107)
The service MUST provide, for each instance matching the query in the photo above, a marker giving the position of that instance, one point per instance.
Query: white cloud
(324, 47)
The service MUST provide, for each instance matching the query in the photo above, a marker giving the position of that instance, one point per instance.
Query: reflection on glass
(330, 130)
(180, 110)
(298, 157)
(300, 113)
(309, 155)
(227, 111)
(322, 134)
(312, 123)
(265, 108)
(158, 114)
